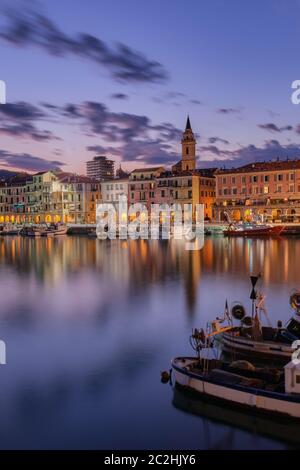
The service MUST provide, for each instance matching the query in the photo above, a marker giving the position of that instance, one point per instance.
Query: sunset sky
(119, 78)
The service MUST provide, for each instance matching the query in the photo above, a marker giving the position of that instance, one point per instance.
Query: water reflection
(89, 324)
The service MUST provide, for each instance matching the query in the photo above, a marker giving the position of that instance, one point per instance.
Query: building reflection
(138, 265)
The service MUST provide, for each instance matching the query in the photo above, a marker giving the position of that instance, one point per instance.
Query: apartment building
(269, 190)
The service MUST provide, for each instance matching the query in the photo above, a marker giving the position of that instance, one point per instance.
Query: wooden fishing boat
(274, 391)
(252, 339)
(53, 230)
(10, 229)
(32, 231)
(253, 230)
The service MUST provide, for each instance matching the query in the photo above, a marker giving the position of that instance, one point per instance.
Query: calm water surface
(89, 325)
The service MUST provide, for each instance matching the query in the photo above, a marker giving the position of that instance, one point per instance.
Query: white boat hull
(263, 401)
(257, 349)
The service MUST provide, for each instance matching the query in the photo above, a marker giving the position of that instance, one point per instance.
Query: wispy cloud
(229, 110)
(270, 150)
(270, 126)
(30, 28)
(27, 162)
(119, 96)
(215, 140)
(18, 120)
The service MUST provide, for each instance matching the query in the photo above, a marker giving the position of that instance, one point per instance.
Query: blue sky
(72, 91)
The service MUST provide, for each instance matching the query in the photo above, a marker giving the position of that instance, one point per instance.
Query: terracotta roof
(203, 172)
(73, 178)
(140, 170)
(278, 165)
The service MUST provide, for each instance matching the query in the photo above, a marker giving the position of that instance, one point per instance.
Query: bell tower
(188, 143)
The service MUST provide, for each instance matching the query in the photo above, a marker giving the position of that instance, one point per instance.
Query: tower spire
(188, 124)
(188, 143)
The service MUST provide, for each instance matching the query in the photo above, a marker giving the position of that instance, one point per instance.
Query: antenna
(253, 294)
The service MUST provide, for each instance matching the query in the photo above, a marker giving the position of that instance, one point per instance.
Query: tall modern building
(100, 168)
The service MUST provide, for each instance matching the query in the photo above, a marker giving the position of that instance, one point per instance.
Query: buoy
(165, 376)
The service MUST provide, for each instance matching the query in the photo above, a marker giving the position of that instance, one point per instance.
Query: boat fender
(165, 376)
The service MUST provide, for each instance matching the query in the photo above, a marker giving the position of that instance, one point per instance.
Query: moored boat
(251, 339)
(10, 229)
(54, 230)
(31, 231)
(273, 391)
(253, 230)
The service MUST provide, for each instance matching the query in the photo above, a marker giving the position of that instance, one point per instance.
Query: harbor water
(89, 325)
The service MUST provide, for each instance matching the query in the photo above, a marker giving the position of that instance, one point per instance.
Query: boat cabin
(292, 377)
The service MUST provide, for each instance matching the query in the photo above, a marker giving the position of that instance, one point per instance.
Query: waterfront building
(185, 184)
(269, 190)
(75, 198)
(112, 190)
(100, 168)
(143, 184)
(187, 187)
(50, 196)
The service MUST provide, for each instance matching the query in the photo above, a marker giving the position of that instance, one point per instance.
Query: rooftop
(278, 165)
(141, 170)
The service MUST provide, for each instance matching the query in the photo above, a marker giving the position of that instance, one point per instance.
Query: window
(187, 151)
(234, 190)
(297, 379)
(254, 179)
(224, 180)
(233, 180)
(163, 193)
(266, 189)
(292, 176)
(190, 194)
(266, 178)
(243, 179)
(279, 189)
(279, 177)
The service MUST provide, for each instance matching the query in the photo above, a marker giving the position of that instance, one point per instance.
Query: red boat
(253, 230)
